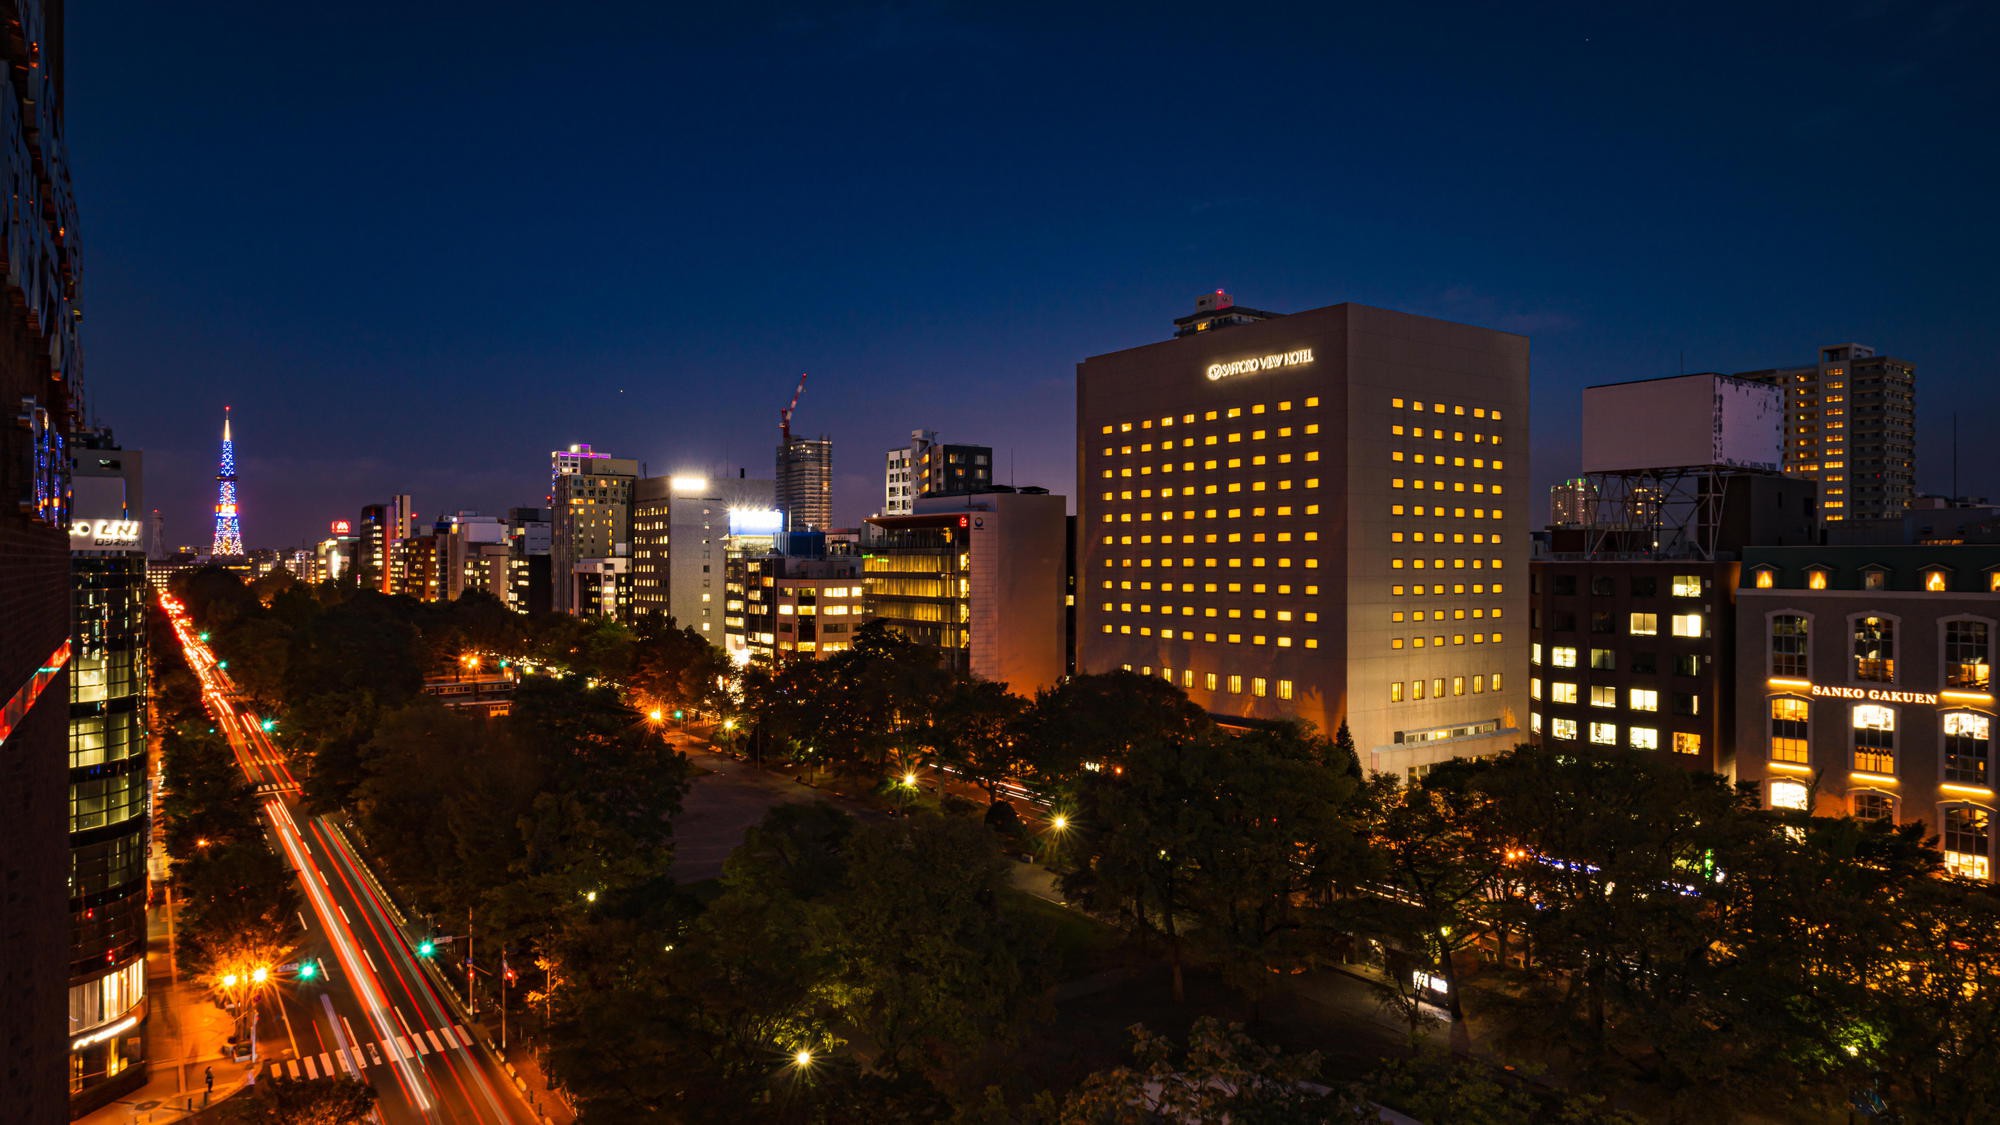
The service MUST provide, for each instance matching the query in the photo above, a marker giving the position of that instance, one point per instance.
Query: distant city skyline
(425, 305)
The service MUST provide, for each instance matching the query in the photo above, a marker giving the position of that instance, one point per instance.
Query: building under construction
(804, 474)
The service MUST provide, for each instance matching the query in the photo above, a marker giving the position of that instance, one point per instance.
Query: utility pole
(471, 1002)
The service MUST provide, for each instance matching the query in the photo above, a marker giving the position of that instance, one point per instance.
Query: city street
(372, 1008)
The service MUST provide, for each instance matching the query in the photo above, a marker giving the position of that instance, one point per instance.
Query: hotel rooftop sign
(1219, 371)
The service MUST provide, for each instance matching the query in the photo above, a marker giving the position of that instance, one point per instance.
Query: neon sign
(1217, 371)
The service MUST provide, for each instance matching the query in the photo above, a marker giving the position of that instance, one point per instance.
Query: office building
(337, 558)
(682, 529)
(107, 774)
(928, 467)
(592, 520)
(779, 607)
(1632, 625)
(1867, 678)
(1317, 516)
(530, 587)
(601, 588)
(978, 577)
(38, 373)
(1851, 425)
(805, 483)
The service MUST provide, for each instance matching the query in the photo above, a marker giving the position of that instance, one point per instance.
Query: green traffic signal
(308, 970)
(222, 664)
(426, 947)
(269, 725)
(677, 714)
(202, 637)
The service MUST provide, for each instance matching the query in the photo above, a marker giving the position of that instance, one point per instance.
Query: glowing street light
(260, 974)
(802, 1058)
(910, 780)
(1059, 822)
(229, 980)
(656, 715)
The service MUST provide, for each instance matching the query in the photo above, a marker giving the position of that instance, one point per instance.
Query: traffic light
(268, 725)
(308, 970)
(202, 637)
(426, 947)
(677, 714)
(222, 664)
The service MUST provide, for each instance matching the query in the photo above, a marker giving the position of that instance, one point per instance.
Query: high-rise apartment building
(682, 530)
(1573, 503)
(928, 467)
(107, 774)
(1851, 425)
(1320, 516)
(592, 510)
(981, 578)
(805, 483)
(38, 373)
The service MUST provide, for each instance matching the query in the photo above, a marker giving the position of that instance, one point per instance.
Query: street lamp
(1059, 822)
(656, 715)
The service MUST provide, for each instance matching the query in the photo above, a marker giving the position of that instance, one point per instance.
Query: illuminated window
(1645, 624)
(1209, 680)
(1874, 738)
(1562, 656)
(1563, 729)
(1284, 689)
(1875, 649)
(1560, 692)
(1687, 625)
(1643, 699)
(1967, 656)
(1603, 695)
(1687, 585)
(1816, 579)
(1236, 685)
(1604, 734)
(1643, 738)
(1968, 747)
(1686, 742)
(1790, 729)
(1788, 794)
(1968, 841)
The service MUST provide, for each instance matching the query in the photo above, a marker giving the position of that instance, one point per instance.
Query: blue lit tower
(228, 528)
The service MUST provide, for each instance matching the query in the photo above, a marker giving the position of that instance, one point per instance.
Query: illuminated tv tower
(228, 528)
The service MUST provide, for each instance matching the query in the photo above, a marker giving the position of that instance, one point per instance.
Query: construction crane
(785, 415)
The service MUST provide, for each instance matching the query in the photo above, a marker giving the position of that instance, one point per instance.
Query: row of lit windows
(1438, 537)
(1601, 695)
(1438, 615)
(1606, 734)
(1935, 580)
(1216, 537)
(1310, 455)
(1215, 638)
(1233, 683)
(1439, 641)
(1439, 435)
(1438, 485)
(1455, 462)
(1439, 564)
(1211, 611)
(1283, 589)
(1234, 513)
(1415, 691)
(1210, 416)
(1417, 406)
(1457, 588)
(1438, 511)
(1231, 438)
(1282, 564)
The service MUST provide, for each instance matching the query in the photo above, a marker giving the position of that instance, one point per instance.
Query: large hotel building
(1322, 516)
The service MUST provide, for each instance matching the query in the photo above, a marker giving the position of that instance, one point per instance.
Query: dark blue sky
(419, 247)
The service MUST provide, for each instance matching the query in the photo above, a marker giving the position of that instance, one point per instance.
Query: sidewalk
(185, 1035)
(521, 1061)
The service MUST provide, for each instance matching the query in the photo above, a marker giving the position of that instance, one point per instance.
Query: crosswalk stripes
(328, 1064)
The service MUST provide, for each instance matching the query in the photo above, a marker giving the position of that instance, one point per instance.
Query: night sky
(420, 246)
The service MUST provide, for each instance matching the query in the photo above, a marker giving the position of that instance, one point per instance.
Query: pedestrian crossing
(328, 1064)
